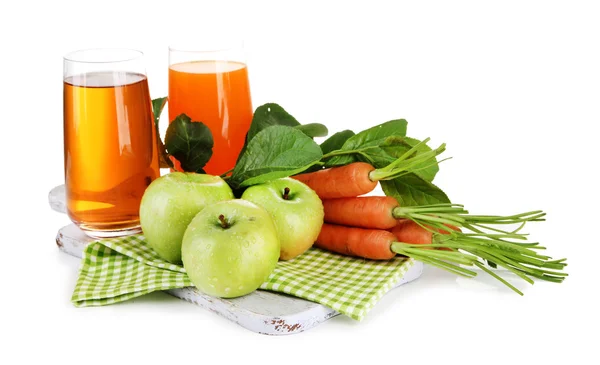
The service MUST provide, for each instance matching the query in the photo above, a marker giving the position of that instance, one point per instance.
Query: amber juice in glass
(212, 87)
(109, 141)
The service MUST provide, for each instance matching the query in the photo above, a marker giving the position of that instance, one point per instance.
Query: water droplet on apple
(241, 287)
(227, 290)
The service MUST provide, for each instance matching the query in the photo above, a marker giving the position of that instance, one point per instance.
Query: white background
(513, 88)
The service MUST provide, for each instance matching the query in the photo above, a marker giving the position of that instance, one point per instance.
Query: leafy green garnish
(336, 141)
(275, 152)
(365, 146)
(313, 129)
(268, 115)
(397, 146)
(158, 105)
(189, 142)
(411, 190)
(277, 145)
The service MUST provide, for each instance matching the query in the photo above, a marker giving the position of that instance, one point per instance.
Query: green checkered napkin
(118, 269)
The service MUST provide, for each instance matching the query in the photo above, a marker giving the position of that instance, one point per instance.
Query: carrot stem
(443, 255)
(455, 214)
(348, 152)
(226, 173)
(505, 261)
(498, 261)
(406, 163)
(455, 269)
(482, 267)
(440, 218)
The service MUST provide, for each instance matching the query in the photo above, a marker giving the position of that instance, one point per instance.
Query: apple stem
(224, 223)
(286, 193)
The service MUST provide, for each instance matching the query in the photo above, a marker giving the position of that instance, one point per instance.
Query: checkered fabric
(119, 269)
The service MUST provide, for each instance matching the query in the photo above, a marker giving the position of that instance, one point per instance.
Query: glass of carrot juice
(110, 146)
(210, 85)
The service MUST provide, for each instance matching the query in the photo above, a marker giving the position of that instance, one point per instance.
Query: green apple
(170, 203)
(296, 210)
(230, 248)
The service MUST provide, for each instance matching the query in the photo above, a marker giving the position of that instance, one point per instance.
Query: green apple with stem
(230, 248)
(170, 203)
(296, 210)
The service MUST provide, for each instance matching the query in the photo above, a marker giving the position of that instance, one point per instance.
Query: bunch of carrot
(443, 235)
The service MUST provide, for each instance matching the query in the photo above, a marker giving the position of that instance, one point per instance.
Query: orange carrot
(367, 212)
(370, 244)
(338, 182)
(408, 231)
(383, 212)
(377, 244)
(465, 250)
(360, 178)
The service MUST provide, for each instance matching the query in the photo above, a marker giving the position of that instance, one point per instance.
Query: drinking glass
(110, 149)
(210, 85)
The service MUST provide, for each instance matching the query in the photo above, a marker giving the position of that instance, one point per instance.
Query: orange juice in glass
(211, 86)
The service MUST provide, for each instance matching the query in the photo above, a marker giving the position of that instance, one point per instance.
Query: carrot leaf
(268, 115)
(336, 141)
(265, 116)
(412, 190)
(275, 152)
(158, 105)
(189, 142)
(370, 140)
(313, 129)
(397, 146)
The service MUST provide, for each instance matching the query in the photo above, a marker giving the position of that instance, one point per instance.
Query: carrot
(369, 244)
(360, 178)
(465, 249)
(410, 232)
(382, 212)
(337, 182)
(376, 244)
(367, 212)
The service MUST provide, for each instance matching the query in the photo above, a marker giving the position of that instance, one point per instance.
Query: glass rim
(133, 54)
(193, 47)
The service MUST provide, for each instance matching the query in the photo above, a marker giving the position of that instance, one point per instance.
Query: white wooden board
(261, 311)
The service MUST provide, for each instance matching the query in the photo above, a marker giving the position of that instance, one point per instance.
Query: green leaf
(189, 142)
(377, 135)
(275, 152)
(411, 190)
(158, 105)
(368, 141)
(268, 115)
(313, 129)
(332, 143)
(397, 146)
(336, 141)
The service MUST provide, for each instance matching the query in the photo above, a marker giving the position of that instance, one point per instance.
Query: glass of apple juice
(208, 81)
(110, 146)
